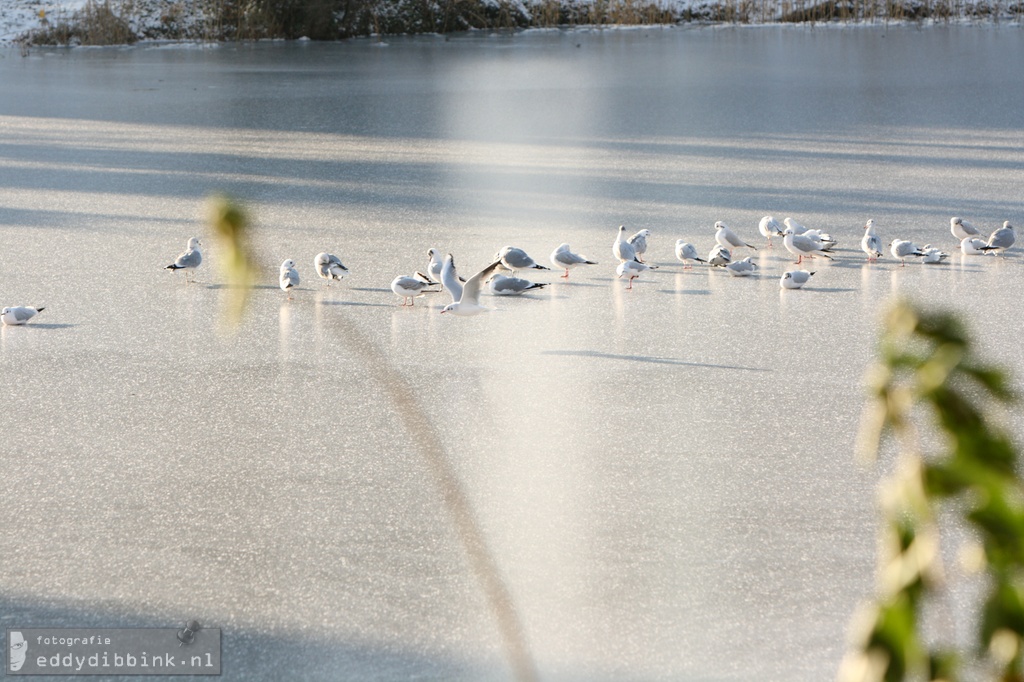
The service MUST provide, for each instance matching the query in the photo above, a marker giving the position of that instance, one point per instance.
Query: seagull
(512, 258)
(1003, 238)
(501, 285)
(622, 249)
(900, 248)
(18, 315)
(450, 278)
(289, 276)
(719, 256)
(562, 257)
(409, 288)
(639, 243)
(795, 279)
(972, 246)
(469, 302)
(962, 229)
(871, 244)
(769, 227)
(686, 252)
(631, 269)
(823, 238)
(189, 260)
(933, 255)
(329, 267)
(434, 266)
(741, 268)
(801, 246)
(727, 239)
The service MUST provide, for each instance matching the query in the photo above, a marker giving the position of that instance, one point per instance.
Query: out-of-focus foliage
(929, 377)
(230, 227)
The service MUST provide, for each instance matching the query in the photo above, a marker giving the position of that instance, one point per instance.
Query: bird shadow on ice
(250, 286)
(374, 290)
(357, 303)
(44, 325)
(829, 290)
(648, 358)
(689, 292)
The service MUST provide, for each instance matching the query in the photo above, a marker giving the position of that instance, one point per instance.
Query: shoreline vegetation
(119, 22)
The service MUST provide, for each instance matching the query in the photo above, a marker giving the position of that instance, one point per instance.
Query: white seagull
(409, 288)
(288, 276)
(189, 260)
(329, 267)
(17, 315)
(871, 244)
(434, 264)
(501, 285)
(562, 257)
(933, 255)
(901, 249)
(639, 243)
(795, 279)
(450, 278)
(801, 246)
(512, 258)
(741, 268)
(962, 229)
(769, 227)
(687, 252)
(469, 302)
(1003, 238)
(972, 246)
(728, 239)
(719, 256)
(622, 249)
(632, 270)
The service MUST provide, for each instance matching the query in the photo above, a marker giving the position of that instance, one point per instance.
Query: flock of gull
(629, 250)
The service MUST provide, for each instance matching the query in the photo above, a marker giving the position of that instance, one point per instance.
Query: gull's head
(5, 311)
(956, 221)
(434, 254)
(448, 308)
(644, 233)
(288, 264)
(562, 247)
(322, 259)
(719, 225)
(1007, 225)
(869, 224)
(193, 242)
(789, 228)
(622, 229)
(787, 275)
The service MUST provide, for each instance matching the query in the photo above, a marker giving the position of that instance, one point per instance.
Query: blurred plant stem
(230, 227)
(928, 369)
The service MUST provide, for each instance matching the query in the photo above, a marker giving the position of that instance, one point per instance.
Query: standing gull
(1003, 238)
(469, 302)
(621, 248)
(801, 246)
(871, 243)
(562, 257)
(189, 260)
(639, 243)
(728, 239)
(329, 267)
(18, 315)
(687, 252)
(288, 277)
(769, 227)
(962, 229)
(409, 288)
(434, 265)
(631, 269)
(901, 249)
(450, 278)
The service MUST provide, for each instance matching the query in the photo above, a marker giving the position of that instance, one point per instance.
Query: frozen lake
(664, 477)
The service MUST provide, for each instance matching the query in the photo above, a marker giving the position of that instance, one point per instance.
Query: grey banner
(112, 651)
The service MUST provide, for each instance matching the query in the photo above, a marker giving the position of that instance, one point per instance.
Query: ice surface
(664, 476)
